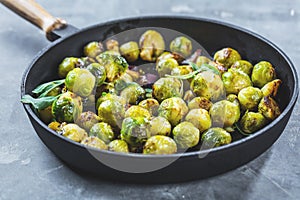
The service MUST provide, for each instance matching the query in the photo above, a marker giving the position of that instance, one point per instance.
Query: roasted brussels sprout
(152, 44)
(224, 113)
(110, 96)
(263, 72)
(130, 51)
(67, 65)
(173, 109)
(86, 120)
(215, 137)
(160, 126)
(202, 60)
(209, 85)
(271, 88)
(186, 135)
(183, 70)
(188, 96)
(94, 142)
(165, 66)
(135, 131)
(182, 46)
(252, 121)
(227, 56)
(243, 65)
(166, 55)
(46, 114)
(137, 111)
(98, 71)
(80, 81)
(249, 98)
(159, 144)
(165, 88)
(233, 99)
(111, 112)
(199, 118)
(269, 108)
(118, 146)
(151, 105)
(67, 107)
(200, 102)
(133, 93)
(93, 49)
(103, 131)
(234, 80)
(74, 132)
(115, 65)
(112, 45)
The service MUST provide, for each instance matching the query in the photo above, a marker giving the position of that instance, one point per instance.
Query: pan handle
(34, 13)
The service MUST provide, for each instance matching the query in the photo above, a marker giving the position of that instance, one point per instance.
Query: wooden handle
(34, 13)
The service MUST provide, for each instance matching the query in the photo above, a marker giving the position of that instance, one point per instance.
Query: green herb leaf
(207, 67)
(39, 103)
(186, 76)
(43, 89)
(194, 66)
(236, 126)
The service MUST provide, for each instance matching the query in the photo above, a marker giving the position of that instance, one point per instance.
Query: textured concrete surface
(28, 170)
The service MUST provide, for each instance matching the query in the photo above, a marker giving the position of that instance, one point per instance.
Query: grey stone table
(28, 170)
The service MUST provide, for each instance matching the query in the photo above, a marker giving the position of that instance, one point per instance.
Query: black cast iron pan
(213, 35)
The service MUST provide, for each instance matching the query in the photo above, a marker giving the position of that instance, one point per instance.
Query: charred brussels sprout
(110, 96)
(173, 109)
(112, 45)
(186, 135)
(103, 131)
(263, 72)
(243, 65)
(200, 102)
(234, 80)
(135, 131)
(118, 146)
(86, 120)
(152, 44)
(182, 46)
(133, 93)
(227, 57)
(199, 118)
(165, 88)
(94, 142)
(160, 126)
(151, 105)
(252, 121)
(98, 71)
(269, 108)
(67, 65)
(93, 49)
(215, 137)
(166, 66)
(249, 98)
(80, 81)
(67, 107)
(130, 51)
(160, 144)
(74, 132)
(271, 88)
(111, 112)
(137, 111)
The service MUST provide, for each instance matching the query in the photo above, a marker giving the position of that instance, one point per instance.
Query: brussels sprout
(112, 45)
(252, 121)
(103, 131)
(159, 144)
(80, 81)
(67, 107)
(233, 99)
(92, 49)
(182, 70)
(137, 111)
(86, 120)
(227, 57)
(224, 113)
(130, 51)
(249, 98)
(188, 96)
(166, 66)
(209, 85)
(200, 102)
(202, 60)
(271, 88)
(243, 65)
(46, 114)
(151, 105)
(152, 44)
(215, 137)
(166, 55)
(234, 80)
(111, 112)
(115, 65)
(262, 73)
(199, 118)
(269, 108)
(98, 71)
(74, 132)
(133, 93)
(135, 131)
(160, 126)
(118, 146)
(110, 96)
(173, 109)
(165, 88)
(94, 142)
(68, 64)
(182, 46)
(186, 135)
